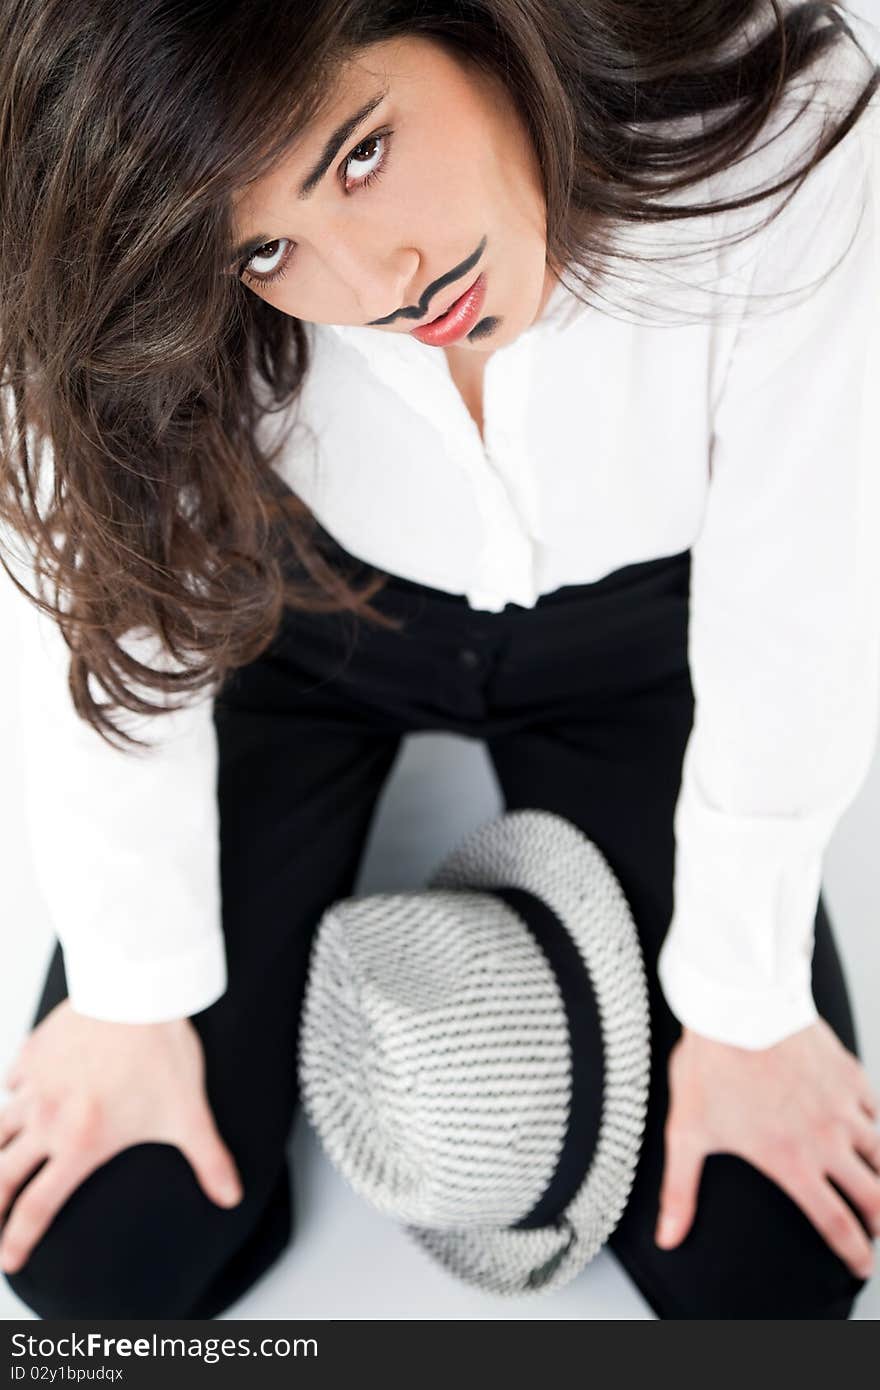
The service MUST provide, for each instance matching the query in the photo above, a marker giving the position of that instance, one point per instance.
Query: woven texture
(435, 1062)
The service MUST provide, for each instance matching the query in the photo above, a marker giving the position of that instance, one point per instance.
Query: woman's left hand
(801, 1112)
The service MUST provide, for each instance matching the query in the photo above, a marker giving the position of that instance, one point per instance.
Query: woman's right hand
(82, 1090)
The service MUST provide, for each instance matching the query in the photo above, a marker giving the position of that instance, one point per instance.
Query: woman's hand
(84, 1089)
(800, 1111)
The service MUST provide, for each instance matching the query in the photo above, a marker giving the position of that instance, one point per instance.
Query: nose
(379, 282)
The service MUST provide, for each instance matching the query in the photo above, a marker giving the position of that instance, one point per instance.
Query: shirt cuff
(736, 963)
(145, 991)
(715, 1010)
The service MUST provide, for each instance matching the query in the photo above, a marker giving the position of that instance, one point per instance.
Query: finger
(833, 1219)
(867, 1101)
(866, 1141)
(11, 1120)
(860, 1182)
(681, 1179)
(211, 1160)
(36, 1207)
(13, 1075)
(18, 1161)
(861, 1083)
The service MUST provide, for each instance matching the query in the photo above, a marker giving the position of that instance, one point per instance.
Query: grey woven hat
(475, 1056)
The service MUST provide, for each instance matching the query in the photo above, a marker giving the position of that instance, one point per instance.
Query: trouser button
(468, 658)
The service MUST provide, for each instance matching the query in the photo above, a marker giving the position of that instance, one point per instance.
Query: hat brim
(548, 856)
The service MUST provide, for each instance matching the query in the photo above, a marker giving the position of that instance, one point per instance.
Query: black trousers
(585, 705)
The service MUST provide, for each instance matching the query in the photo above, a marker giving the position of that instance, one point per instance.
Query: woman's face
(435, 186)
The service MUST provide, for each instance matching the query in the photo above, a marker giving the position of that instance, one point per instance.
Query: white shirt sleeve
(125, 845)
(784, 639)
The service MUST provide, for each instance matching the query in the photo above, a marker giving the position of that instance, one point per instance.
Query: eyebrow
(331, 148)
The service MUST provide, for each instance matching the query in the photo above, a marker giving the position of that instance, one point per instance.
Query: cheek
(446, 204)
(308, 294)
(428, 188)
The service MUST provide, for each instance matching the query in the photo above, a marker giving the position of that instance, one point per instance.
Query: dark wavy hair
(143, 371)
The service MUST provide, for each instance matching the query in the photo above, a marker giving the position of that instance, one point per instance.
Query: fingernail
(230, 1195)
(665, 1230)
(9, 1260)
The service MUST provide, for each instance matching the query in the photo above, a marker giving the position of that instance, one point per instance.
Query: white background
(441, 787)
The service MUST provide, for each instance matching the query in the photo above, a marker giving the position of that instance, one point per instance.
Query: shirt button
(468, 658)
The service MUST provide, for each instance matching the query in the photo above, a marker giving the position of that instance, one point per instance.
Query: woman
(606, 461)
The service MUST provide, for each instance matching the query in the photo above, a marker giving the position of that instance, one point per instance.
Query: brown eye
(367, 160)
(273, 265)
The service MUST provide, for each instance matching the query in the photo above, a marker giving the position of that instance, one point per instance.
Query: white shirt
(753, 441)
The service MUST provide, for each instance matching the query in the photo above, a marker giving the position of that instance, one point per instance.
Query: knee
(753, 1253)
(58, 1292)
(135, 1240)
(736, 1297)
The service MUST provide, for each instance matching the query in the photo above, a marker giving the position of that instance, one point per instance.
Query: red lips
(458, 319)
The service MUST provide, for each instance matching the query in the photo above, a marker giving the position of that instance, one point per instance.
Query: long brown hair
(143, 372)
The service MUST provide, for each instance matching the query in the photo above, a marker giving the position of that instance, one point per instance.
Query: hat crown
(440, 1076)
(393, 973)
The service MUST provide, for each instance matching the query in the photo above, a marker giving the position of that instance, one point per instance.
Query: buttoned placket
(502, 468)
(505, 571)
(498, 467)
